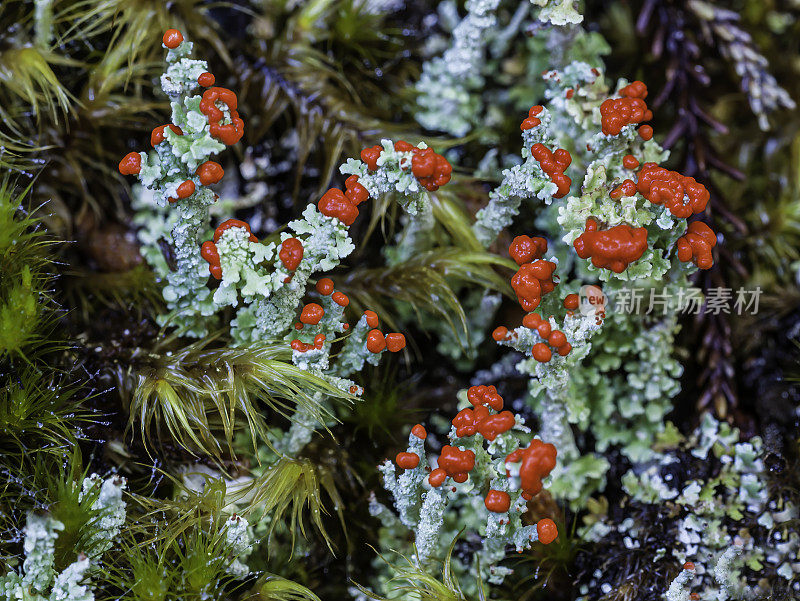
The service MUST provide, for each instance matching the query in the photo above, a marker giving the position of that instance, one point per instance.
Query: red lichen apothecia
(630, 109)
(614, 248)
(432, 170)
(208, 250)
(525, 467)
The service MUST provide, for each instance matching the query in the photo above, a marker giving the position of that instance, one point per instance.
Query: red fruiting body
(186, 189)
(431, 169)
(206, 79)
(694, 596)
(312, 313)
(688, 566)
(208, 251)
(437, 477)
(645, 132)
(319, 340)
(570, 92)
(532, 120)
(466, 421)
(616, 113)
(557, 339)
(531, 321)
(372, 318)
(456, 463)
(469, 421)
(229, 133)
(228, 224)
(355, 192)
(375, 341)
(291, 253)
(630, 162)
(571, 302)
(497, 501)
(635, 89)
(395, 342)
(325, 286)
(696, 244)
(525, 249)
(485, 395)
(370, 156)
(157, 135)
(300, 346)
(172, 38)
(407, 461)
(500, 333)
(210, 173)
(538, 460)
(543, 329)
(494, 425)
(541, 353)
(626, 188)
(614, 248)
(553, 164)
(531, 281)
(335, 204)
(527, 287)
(564, 349)
(340, 299)
(131, 164)
(662, 186)
(547, 531)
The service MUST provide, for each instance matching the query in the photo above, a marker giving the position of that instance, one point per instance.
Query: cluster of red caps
(534, 279)
(532, 120)
(432, 170)
(229, 133)
(662, 186)
(312, 313)
(616, 113)
(208, 250)
(617, 247)
(209, 172)
(670, 188)
(614, 248)
(553, 163)
(290, 254)
(480, 419)
(696, 244)
(344, 205)
(487, 418)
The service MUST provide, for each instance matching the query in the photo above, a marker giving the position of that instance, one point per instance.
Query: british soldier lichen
(492, 455)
